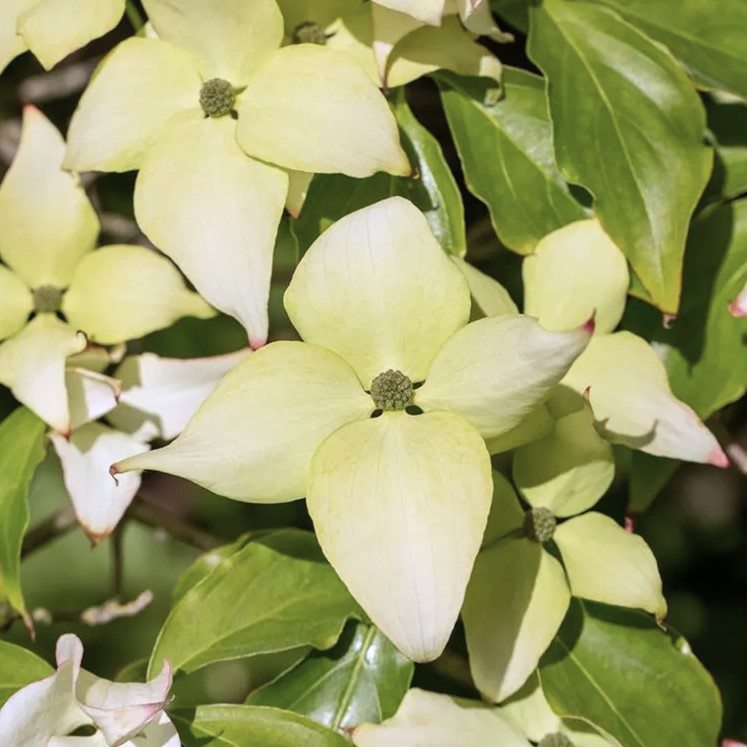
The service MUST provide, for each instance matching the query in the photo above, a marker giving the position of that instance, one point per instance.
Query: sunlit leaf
(239, 725)
(506, 154)
(21, 452)
(19, 667)
(629, 127)
(709, 40)
(275, 594)
(670, 698)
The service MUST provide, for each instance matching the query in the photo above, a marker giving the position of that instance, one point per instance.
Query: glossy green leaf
(445, 211)
(22, 449)
(618, 670)
(362, 679)
(431, 187)
(19, 667)
(245, 726)
(709, 40)
(629, 127)
(506, 153)
(274, 594)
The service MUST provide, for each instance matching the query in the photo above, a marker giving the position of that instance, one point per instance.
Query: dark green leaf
(21, 452)
(274, 594)
(704, 349)
(19, 667)
(506, 154)
(443, 208)
(709, 39)
(617, 669)
(247, 726)
(629, 127)
(516, 12)
(363, 678)
(728, 125)
(705, 353)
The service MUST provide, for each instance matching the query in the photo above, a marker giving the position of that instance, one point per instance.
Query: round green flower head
(47, 299)
(539, 525)
(217, 98)
(391, 390)
(555, 740)
(309, 32)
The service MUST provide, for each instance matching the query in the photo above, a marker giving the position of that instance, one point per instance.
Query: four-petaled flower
(44, 713)
(379, 417)
(396, 45)
(212, 112)
(48, 230)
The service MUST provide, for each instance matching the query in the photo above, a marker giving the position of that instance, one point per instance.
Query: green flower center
(217, 98)
(309, 32)
(47, 299)
(539, 525)
(391, 390)
(555, 740)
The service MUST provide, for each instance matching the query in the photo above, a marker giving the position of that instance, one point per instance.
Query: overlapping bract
(123, 714)
(395, 43)
(48, 230)
(52, 29)
(148, 398)
(212, 184)
(519, 592)
(578, 270)
(400, 500)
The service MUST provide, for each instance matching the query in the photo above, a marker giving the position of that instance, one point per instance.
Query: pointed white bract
(99, 499)
(629, 393)
(123, 714)
(403, 495)
(415, 493)
(159, 395)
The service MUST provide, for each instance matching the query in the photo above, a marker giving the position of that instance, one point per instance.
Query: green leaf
(443, 209)
(709, 40)
(507, 157)
(203, 566)
(516, 12)
(362, 679)
(274, 594)
(22, 449)
(728, 125)
(617, 669)
(242, 726)
(19, 667)
(705, 355)
(629, 127)
(433, 189)
(703, 350)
